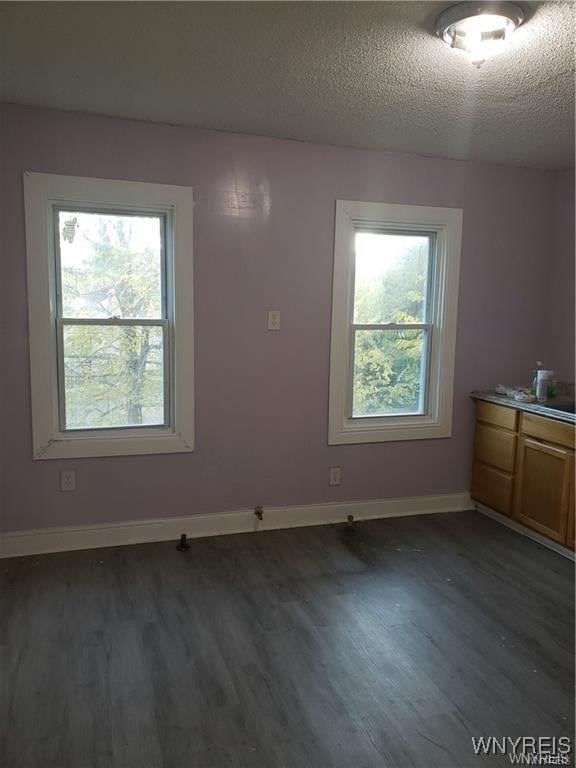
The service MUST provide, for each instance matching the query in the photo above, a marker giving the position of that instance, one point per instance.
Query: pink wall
(264, 239)
(559, 302)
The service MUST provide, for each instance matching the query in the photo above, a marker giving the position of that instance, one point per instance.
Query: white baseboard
(40, 541)
(525, 531)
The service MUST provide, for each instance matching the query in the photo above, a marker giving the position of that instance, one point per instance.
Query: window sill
(86, 447)
(354, 431)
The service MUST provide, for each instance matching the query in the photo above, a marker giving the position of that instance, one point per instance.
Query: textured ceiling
(359, 74)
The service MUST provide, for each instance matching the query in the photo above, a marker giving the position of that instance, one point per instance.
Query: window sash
(167, 309)
(427, 326)
(163, 322)
(168, 405)
(360, 228)
(425, 365)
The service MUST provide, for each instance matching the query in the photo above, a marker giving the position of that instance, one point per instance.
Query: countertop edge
(537, 408)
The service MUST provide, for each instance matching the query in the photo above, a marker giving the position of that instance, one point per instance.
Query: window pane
(111, 265)
(391, 278)
(113, 376)
(388, 372)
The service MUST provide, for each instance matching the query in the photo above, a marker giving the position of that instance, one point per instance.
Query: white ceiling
(350, 73)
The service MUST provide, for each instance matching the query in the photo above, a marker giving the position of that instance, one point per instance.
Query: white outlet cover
(273, 320)
(68, 480)
(335, 477)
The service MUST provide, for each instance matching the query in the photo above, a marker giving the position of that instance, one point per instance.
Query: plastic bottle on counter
(545, 379)
(535, 378)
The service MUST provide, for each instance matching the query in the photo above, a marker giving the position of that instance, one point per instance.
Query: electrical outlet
(68, 480)
(335, 476)
(273, 320)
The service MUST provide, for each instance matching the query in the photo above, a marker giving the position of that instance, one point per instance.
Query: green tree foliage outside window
(388, 364)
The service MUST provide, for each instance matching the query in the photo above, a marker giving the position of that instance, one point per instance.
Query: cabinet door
(571, 535)
(543, 487)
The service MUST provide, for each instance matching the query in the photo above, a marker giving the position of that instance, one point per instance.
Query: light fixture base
(461, 11)
(479, 28)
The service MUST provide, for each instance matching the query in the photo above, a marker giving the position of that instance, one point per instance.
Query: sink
(564, 407)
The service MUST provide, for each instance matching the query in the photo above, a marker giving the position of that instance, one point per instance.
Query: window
(110, 311)
(394, 306)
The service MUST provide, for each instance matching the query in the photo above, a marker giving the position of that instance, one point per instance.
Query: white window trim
(446, 223)
(41, 192)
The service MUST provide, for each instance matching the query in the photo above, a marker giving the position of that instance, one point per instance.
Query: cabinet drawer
(492, 487)
(498, 415)
(495, 446)
(551, 431)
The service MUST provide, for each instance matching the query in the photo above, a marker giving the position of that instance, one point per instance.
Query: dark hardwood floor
(387, 647)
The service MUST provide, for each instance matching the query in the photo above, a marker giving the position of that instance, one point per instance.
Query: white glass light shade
(479, 29)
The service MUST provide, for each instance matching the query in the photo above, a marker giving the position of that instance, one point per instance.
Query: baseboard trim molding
(522, 529)
(45, 540)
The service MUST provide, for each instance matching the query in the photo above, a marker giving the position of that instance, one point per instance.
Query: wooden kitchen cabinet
(494, 456)
(544, 477)
(542, 493)
(571, 532)
(524, 467)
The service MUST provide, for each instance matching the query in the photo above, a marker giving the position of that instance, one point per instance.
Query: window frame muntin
(41, 191)
(447, 224)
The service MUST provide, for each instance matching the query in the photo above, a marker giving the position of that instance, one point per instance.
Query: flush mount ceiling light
(479, 29)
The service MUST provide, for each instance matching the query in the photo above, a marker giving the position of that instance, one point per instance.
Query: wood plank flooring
(386, 647)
